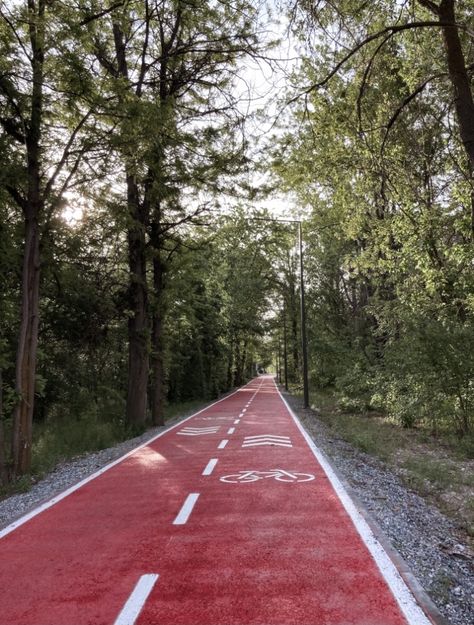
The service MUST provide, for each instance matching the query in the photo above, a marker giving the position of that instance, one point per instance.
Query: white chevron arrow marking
(190, 431)
(286, 438)
(267, 439)
(212, 418)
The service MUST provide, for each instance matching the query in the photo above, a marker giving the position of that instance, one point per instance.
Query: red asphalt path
(151, 540)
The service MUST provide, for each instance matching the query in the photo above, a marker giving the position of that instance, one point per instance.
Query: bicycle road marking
(186, 509)
(210, 467)
(134, 605)
(280, 475)
(222, 444)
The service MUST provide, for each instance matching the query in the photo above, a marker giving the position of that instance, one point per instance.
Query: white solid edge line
(134, 605)
(210, 467)
(230, 430)
(405, 599)
(222, 444)
(186, 509)
(54, 500)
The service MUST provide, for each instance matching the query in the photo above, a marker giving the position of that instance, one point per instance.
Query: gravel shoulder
(431, 544)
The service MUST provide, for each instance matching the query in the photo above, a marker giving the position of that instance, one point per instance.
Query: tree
(44, 148)
(169, 69)
(389, 244)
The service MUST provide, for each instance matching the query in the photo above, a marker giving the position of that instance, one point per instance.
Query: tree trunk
(138, 323)
(157, 367)
(458, 74)
(230, 364)
(26, 351)
(25, 366)
(238, 364)
(3, 460)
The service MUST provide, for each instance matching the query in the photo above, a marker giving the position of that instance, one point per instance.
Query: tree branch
(405, 103)
(390, 30)
(431, 6)
(65, 154)
(96, 16)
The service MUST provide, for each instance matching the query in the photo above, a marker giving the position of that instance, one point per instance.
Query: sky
(263, 84)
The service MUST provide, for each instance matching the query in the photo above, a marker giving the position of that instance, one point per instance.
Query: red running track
(190, 530)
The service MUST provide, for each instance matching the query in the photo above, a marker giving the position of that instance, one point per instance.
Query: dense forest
(139, 266)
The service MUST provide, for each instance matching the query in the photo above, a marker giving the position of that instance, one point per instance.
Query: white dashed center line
(210, 467)
(222, 444)
(236, 422)
(186, 510)
(230, 430)
(131, 610)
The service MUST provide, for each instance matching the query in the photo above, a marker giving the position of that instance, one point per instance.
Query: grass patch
(184, 408)
(64, 439)
(434, 474)
(369, 432)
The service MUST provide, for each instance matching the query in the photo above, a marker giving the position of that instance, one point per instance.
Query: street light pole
(303, 324)
(285, 353)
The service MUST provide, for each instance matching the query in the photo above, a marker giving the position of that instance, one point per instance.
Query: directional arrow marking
(189, 431)
(213, 418)
(268, 442)
(286, 438)
(267, 439)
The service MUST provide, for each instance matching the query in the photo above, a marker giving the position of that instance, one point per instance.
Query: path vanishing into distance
(230, 517)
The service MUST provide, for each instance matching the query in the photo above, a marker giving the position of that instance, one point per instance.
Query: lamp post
(285, 353)
(304, 348)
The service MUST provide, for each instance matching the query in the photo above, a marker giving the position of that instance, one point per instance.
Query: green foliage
(68, 437)
(389, 237)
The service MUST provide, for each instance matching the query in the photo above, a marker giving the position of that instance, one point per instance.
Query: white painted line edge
(51, 502)
(186, 509)
(222, 444)
(230, 430)
(236, 422)
(210, 467)
(134, 605)
(408, 605)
